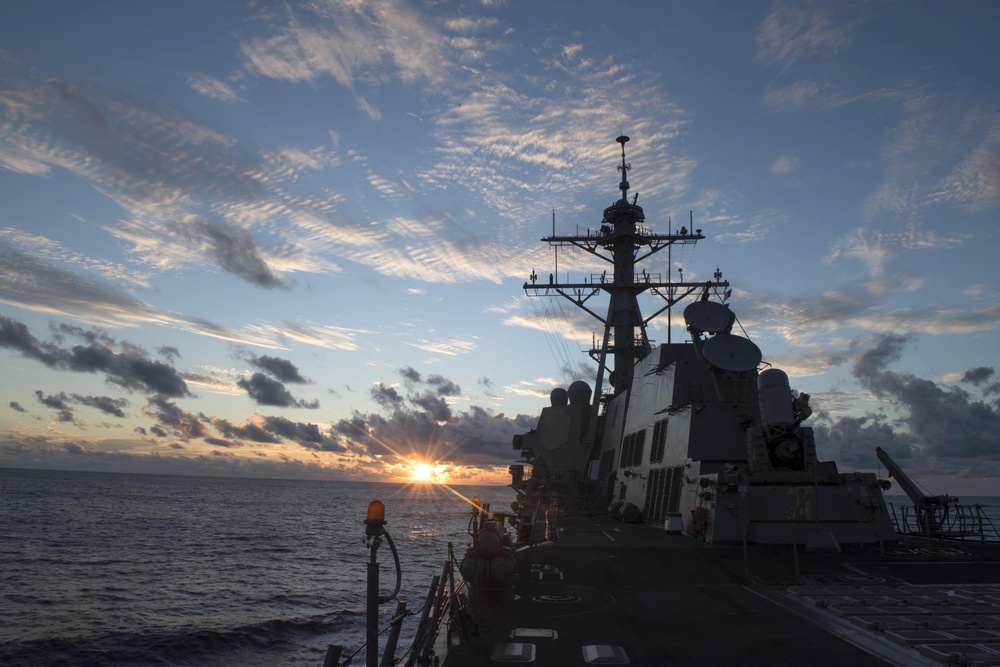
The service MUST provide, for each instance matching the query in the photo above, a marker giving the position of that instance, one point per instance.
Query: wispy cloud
(975, 181)
(876, 249)
(792, 33)
(450, 347)
(787, 163)
(350, 41)
(213, 88)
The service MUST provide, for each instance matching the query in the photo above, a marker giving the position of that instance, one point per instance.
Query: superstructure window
(607, 463)
(659, 441)
(626, 456)
(638, 446)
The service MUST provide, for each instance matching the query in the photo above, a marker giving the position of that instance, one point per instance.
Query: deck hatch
(534, 633)
(604, 654)
(513, 652)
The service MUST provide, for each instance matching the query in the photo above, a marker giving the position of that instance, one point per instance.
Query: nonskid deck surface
(610, 593)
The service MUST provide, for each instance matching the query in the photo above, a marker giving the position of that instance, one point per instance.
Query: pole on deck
(374, 529)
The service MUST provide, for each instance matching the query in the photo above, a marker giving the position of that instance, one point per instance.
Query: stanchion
(374, 529)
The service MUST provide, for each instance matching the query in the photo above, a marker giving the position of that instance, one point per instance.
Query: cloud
(978, 375)
(30, 282)
(789, 34)
(785, 164)
(419, 424)
(975, 182)
(131, 368)
(212, 88)
(801, 319)
(174, 420)
(942, 421)
(58, 403)
(16, 407)
(349, 42)
(450, 348)
(441, 385)
(385, 396)
(106, 404)
(265, 391)
(61, 401)
(272, 429)
(281, 369)
(234, 249)
(74, 448)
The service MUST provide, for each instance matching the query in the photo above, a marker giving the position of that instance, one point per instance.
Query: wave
(195, 645)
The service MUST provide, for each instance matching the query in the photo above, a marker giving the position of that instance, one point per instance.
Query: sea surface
(118, 569)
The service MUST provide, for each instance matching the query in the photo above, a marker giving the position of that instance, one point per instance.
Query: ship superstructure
(700, 436)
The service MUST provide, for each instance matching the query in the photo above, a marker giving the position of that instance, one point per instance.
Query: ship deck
(612, 593)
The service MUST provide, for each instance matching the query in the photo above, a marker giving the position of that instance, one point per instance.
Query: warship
(677, 512)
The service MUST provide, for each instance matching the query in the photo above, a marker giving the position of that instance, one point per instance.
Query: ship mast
(623, 241)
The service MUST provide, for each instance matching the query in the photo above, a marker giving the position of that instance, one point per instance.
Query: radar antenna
(624, 168)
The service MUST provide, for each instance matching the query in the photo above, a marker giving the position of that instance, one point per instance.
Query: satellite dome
(558, 396)
(579, 393)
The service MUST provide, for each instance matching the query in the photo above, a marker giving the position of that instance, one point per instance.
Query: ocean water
(116, 569)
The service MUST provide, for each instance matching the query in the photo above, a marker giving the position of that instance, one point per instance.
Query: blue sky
(289, 239)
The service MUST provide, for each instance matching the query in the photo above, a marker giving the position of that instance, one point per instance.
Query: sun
(422, 472)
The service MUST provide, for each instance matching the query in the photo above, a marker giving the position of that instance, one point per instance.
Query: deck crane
(931, 511)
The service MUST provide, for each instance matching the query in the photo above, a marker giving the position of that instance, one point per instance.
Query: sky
(288, 239)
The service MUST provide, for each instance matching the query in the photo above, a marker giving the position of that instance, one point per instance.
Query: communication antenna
(556, 248)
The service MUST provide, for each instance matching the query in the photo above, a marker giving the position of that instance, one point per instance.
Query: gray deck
(671, 600)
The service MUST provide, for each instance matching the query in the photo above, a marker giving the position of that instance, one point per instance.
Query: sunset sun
(422, 472)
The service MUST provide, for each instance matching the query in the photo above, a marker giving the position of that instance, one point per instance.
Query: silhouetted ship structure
(677, 513)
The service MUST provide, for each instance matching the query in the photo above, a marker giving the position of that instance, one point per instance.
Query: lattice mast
(623, 241)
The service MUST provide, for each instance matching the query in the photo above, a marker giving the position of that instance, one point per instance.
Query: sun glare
(422, 472)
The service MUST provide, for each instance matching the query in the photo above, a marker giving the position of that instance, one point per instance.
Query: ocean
(119, 569)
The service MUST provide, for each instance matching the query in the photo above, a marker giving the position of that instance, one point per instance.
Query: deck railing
(948, 522)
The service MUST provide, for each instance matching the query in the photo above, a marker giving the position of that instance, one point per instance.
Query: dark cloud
(61, 401)
(442, 385)
(276, 429)
(307, 435)
(421, 423)
(487, 385)
(940, 421)
(265, 391)
(14, 405)
(219, 442)
(385, 396)
(445, 387)
(236, 252)
(54, 401)
(435, 406)
(169, 353)
(281, 369)
(409, 374)
(130, 368)
(174, 419)
(106, 404)
(74, 448)
(851, 441)
(15, 335)
(58, 403)
(977, 376)
(252, 432)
